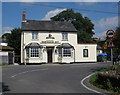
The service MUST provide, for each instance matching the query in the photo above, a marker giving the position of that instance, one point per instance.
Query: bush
(117, 69)
(99, 58)
(110, 83)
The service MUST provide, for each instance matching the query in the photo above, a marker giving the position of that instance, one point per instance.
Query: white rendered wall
(91, 53)
(72, 39)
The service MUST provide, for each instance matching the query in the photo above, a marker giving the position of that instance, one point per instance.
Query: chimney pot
(24, 16)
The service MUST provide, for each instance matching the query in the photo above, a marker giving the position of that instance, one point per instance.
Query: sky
(104, 15)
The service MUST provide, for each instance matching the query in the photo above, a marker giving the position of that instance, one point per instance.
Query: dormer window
(34, 35)
(64, 36)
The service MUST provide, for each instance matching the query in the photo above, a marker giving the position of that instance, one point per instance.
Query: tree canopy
(116, 39)
(82, 24)
(5, 37)
(13, 39)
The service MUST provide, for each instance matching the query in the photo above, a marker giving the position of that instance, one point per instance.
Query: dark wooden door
(49, 55)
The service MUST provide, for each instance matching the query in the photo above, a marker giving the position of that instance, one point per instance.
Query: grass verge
(3, 64)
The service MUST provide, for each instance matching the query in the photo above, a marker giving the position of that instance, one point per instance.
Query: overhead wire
(97, 11)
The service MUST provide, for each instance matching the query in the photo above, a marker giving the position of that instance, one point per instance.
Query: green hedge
(110, 83)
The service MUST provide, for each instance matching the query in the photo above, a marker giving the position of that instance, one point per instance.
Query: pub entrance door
(49, 55)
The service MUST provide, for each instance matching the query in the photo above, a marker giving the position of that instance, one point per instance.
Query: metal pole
(112, 56)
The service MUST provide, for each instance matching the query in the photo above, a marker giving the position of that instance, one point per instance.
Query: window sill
(34, 39)
(64, 40)
(66, 57)
(34, 57)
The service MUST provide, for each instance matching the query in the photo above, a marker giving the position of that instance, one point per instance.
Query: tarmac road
(48, 78)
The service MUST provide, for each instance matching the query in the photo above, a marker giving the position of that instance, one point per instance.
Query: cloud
(85, 3)
(107, 23)
(6, 29)
(104, 25)
(52, 13)
(101, 35)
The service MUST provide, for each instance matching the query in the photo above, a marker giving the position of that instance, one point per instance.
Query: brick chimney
(24, 16)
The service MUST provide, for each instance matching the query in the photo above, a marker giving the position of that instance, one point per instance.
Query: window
(64, 36)
(66, 52)
(34, 52)
(85, 52)
(34, 35)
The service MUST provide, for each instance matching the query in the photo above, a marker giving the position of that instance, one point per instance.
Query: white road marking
(28, 72)
(82, 82)
(83, 63)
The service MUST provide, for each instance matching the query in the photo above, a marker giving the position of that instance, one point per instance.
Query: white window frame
(64, 36)
(67, 54)
(34, 35)
(34, 52)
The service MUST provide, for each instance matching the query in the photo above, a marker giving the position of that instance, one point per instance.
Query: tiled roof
(33, 45)
(6, 47)
(65, 45)
(48, 26)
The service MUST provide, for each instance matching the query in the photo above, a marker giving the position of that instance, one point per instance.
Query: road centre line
(28, 72)
(82, 82)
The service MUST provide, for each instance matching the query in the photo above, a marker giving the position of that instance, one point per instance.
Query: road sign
(110, 44)
(110, 34)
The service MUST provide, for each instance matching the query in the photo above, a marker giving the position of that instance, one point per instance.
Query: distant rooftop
(38, 25)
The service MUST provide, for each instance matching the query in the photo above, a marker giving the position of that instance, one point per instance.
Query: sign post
(112, 56)
(109, 35)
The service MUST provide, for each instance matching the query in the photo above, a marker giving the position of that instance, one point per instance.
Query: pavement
(56, 78)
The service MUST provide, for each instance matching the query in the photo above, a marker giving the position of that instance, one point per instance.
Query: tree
(116, 39)
(5, 37)
(82, 24)
(14, 39)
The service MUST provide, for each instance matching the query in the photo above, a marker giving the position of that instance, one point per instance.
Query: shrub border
(108, 83)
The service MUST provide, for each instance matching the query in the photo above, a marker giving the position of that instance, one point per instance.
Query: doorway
(49, 55)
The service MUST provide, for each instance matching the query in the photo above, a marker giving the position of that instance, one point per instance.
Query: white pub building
(53, 42)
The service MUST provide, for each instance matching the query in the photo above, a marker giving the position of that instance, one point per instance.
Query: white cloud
(107, 23)
(101, 35)
(85, 3)
(6, 29)
(52, 13)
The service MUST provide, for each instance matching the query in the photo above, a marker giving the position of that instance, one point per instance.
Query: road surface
(48, 78)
